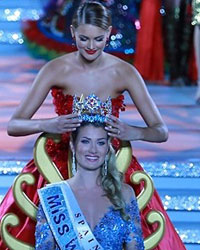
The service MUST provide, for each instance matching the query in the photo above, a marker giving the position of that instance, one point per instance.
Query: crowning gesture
(86, 71)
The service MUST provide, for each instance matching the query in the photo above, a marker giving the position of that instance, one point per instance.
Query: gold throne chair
(50, 172)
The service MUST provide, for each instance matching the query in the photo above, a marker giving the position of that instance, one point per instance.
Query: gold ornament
(154, 216)
(46, 167)
(124, 156)
(22, 200)
(12, 243)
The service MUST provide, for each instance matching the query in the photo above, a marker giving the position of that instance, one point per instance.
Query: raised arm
(156, 130)
(21, 123)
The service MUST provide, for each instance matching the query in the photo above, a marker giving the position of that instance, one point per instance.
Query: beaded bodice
(111, 231)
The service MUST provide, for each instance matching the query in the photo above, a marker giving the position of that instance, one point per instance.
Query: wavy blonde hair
(112, 184)
(112, 181)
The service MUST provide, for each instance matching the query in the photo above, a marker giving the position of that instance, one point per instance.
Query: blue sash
(66, 219)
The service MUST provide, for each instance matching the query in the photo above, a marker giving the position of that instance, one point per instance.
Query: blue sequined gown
(112, 232)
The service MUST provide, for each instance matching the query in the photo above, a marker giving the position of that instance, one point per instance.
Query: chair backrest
(50, 172)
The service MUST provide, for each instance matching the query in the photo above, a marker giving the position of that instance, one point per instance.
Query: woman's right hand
(61, 124)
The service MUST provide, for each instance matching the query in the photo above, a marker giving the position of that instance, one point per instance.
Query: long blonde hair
(111, 181)
(112, 184)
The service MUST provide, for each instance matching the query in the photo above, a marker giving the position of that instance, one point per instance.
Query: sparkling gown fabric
(57, 152)
(111, 231)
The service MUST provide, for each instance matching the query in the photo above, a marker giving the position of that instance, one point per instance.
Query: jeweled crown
(91, 108)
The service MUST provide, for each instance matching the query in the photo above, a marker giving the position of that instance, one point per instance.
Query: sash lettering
(70, 245)
(67, 222)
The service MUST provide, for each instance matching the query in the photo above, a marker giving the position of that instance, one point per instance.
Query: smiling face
(91, 147)
(90, 40)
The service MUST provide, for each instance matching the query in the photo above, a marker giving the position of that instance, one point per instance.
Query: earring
(107, 42)
(105, 170)
(74, 42)
(73, 164)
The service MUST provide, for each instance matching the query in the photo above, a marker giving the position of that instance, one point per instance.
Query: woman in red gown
(89, 70)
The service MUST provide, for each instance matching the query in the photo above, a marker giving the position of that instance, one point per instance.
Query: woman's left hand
(118, 129)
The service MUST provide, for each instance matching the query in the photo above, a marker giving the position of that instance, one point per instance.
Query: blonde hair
(111, 182)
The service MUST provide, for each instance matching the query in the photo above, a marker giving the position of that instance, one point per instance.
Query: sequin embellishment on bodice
(111, 232)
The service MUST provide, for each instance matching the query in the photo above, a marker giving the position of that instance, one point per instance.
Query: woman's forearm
(56, 125)
(22, 127)
(157, 133)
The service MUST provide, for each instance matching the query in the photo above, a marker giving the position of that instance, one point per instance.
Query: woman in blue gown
(107, 207)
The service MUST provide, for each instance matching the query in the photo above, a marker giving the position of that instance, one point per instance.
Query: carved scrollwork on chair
(154, 216)
(11, 219)
(46, 167)
(12, 243)
(22, 200)
(50, 172)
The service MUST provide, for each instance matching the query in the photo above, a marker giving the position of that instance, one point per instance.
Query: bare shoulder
(127, 193)
(50, 68)
(56, 70)
(128, 70)
(124, 69)
(123, 65)
(58, 63)
(115, 61)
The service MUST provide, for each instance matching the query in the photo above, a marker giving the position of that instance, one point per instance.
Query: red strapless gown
(149, 57)
(25, 231)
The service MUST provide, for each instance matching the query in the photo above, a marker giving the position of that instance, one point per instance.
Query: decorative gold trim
(154, 216)
(147, 192)
(22, 200)
(124, 156)
(153, 240)
(13, 244)
(46, 167)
